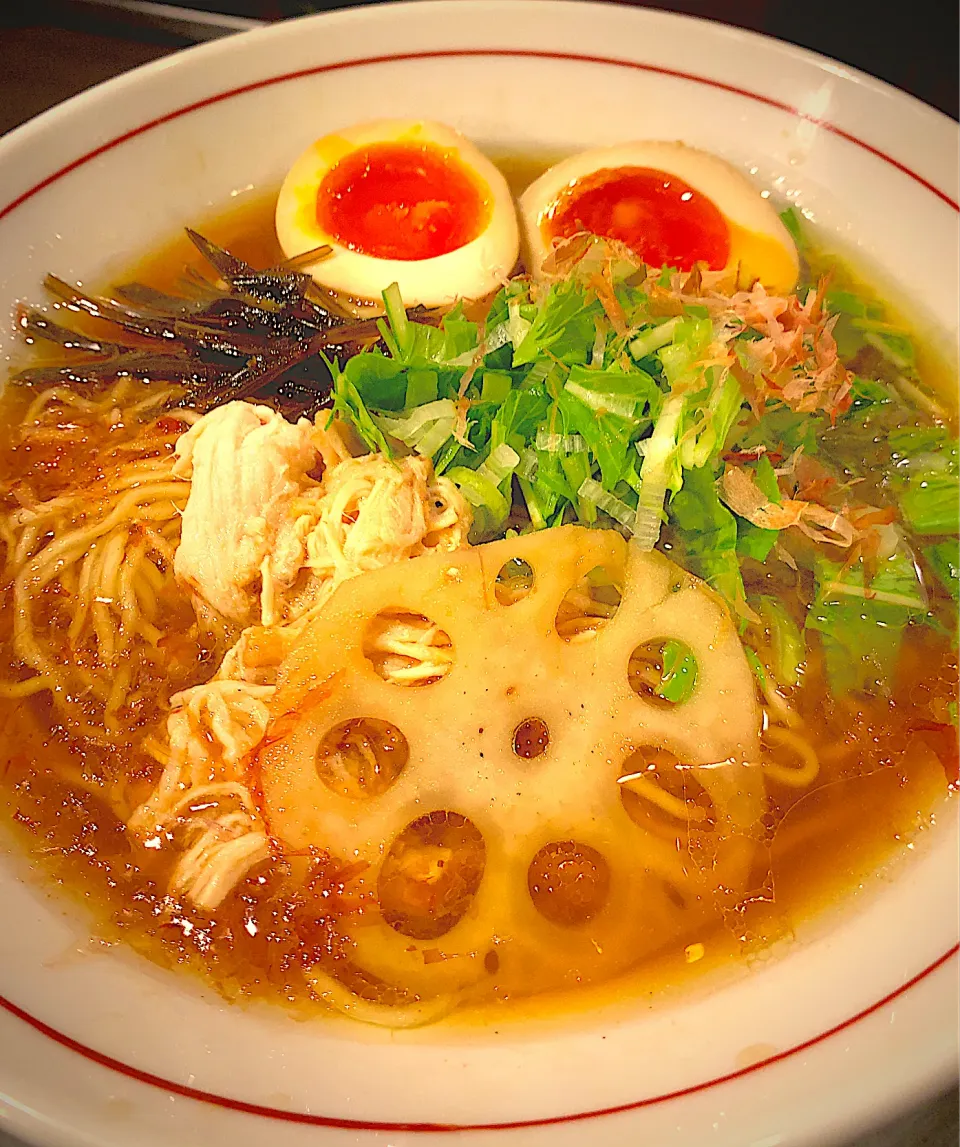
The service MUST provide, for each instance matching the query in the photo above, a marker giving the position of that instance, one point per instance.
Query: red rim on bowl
(273, 1113)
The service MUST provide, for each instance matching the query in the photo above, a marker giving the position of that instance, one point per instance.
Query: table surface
(40, 65)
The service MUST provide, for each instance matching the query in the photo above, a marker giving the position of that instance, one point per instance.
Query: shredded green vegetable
(944, 560)
(623, 411)
(861, 624)
(786, 639)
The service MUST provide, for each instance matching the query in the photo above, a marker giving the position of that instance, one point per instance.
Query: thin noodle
(780, 708)
(85, 558)
(28, 688)
(796, 776)
(339, 997)
(674, 806)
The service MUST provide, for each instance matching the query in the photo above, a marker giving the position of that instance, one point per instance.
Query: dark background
(50, 49)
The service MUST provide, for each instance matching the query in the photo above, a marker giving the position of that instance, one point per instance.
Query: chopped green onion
(406, 428)
(659, 472)
(496, 338)
(560, 443)
(517, 326)
(604, 402)
(482, 494)
(653, 339)
(397, 318)
(599, 346)
(500, 465)
(527, 466)
(434, 436)
(717, 416)
(593, 493)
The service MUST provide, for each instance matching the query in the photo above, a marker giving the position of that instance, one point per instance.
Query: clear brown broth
(881, 781)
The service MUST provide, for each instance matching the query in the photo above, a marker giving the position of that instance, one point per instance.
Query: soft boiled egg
(400, 201)
(670, 204)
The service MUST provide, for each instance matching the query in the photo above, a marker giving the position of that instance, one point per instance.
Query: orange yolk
(658, 216)
(401, 201)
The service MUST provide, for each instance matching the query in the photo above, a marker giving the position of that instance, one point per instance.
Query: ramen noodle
(402, 660)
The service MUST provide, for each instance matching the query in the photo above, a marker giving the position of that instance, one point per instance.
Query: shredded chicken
(223, 853)
(267, 543)
(262, 540)
(204, 788)
(368, 512)
(246, 463)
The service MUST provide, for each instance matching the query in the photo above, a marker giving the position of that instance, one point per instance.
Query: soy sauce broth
(886, 767)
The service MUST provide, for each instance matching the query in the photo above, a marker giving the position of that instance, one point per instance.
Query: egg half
(671, 204)
(404, 201)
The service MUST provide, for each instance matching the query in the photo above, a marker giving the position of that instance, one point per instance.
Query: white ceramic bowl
(858, 1019)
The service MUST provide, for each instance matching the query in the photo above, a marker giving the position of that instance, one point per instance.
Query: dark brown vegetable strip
(220, 340)
(111, 312)
(258, 373)
(137, 364)
(149, 299)
(270, 319)
(226, 265)
(37, 325)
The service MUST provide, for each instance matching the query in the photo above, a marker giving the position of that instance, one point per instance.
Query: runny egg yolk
(662, 219)
(403, 201)
(671, 204)
(410, 202)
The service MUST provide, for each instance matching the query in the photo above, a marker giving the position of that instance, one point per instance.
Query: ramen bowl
(829, 1034)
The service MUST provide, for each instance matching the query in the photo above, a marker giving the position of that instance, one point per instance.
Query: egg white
(760, 246)
(470, 272)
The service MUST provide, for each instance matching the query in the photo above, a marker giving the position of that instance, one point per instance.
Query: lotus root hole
(514, 581)
(531, 738)
(407, 648)
(663, 672)
(568, 883)
(362, 758)
(589, 605)
(664, 796)
(431, 875)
